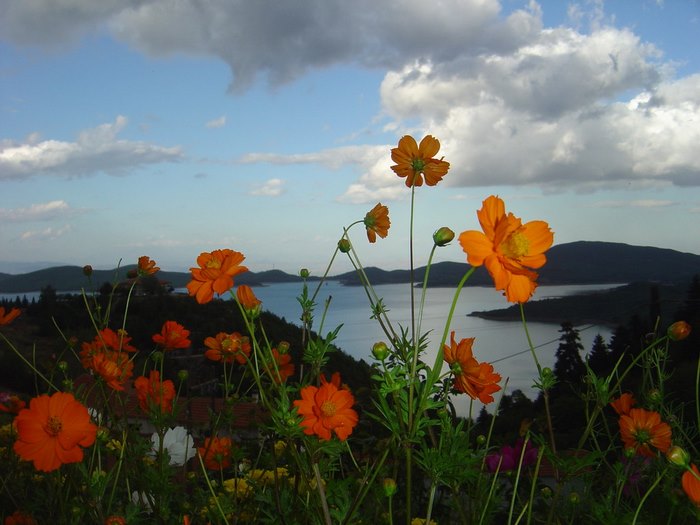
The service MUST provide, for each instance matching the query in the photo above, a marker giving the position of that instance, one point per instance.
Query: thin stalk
(322, 494)
(646, 495)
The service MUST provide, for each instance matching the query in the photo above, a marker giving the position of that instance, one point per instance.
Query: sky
(167, 128)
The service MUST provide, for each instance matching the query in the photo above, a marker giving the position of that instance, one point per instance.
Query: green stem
(646, 495)
(322, 494)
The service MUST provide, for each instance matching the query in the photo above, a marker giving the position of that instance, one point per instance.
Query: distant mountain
(71, 279)
(583, 262)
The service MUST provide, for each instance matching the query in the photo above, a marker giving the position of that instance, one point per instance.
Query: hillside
(582, 262)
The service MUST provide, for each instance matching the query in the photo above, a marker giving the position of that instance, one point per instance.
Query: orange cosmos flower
(172, 336)
(678, 331)
(377, 222)
(11, 315)
(228, 348)
(216, 453)
(11, 404)
(283, 367)
(109, 340)
(327, 408)
(52, 431)
(155, 395)
(641, 429)
(115, 368)
(477, 380)
(247, 299)
(691, 484)
(414, 161)
(508, 249)
(115, 520)
(146, 266)
(20, 518)
(215, 274)
(623, 404)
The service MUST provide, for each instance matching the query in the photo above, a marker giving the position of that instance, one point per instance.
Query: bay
(504, 344)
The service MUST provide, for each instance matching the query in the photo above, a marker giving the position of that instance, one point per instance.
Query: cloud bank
(96, 150)
(586, 107)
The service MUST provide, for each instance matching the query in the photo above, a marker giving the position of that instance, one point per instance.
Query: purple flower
(509, 457)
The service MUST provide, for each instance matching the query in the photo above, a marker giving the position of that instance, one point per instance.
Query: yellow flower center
(53, 426)
(516, 245)
(328, 409)
(214, 263)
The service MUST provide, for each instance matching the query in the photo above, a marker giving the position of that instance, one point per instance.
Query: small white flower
(178, 443)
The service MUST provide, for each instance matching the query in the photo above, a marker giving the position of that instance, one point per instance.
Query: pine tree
(599, 358)
(568, 367)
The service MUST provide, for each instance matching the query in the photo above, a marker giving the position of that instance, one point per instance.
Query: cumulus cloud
(589, 106)
(95, 150)
(46, 234)
(217, 122)
(271, 188)
(46, 211)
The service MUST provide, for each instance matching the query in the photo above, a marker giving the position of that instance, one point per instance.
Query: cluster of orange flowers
(642, 432)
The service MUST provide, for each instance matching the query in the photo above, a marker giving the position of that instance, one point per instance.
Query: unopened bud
(62, 366)
(182, 375)
(87, 270)
(678, 456)
(678, 331)
(443, 236)
(574, 498)
(380, 351)
(389, 485)
(481, 440)
(283, 347)
(304, 273)
(344, 245)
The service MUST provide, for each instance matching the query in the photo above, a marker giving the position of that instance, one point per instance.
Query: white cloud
(95, 150)
(271, 188)
(47, 211)
(46, 234)
(217, 122)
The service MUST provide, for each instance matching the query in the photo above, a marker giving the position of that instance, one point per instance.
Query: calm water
(502, 343)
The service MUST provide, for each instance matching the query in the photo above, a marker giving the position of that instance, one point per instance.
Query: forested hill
(582, 262)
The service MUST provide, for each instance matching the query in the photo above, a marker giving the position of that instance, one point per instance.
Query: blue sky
(166, 129)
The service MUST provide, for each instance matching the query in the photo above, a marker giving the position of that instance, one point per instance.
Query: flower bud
(574, 498)
(304, 273)
(389, 485)
(283, 347)
(443, 236)
(546, 492)
(380, 351)
(183, 374)
(87, 270)
(481, 440)
(678, 456)
(344, 245)
(62, 366)
(655, 396)
(678, 331)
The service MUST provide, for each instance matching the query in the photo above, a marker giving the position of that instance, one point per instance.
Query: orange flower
(52, 431)
(115, 520)
(326, 408)
(228, 348)
(7, 318)
(247, 299)
(11, 404)
(146, 266)
(623, 404)
(20, 518)
(108, 339)
(508, 249)
(377, 222)
(215, 274)
(691, 484)
(678, 331)
(172, 336)
(216, 453)
(155, 395)
(475, 379)
(414, 161)
(115, 368)
(641, 429)
(282, 368)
